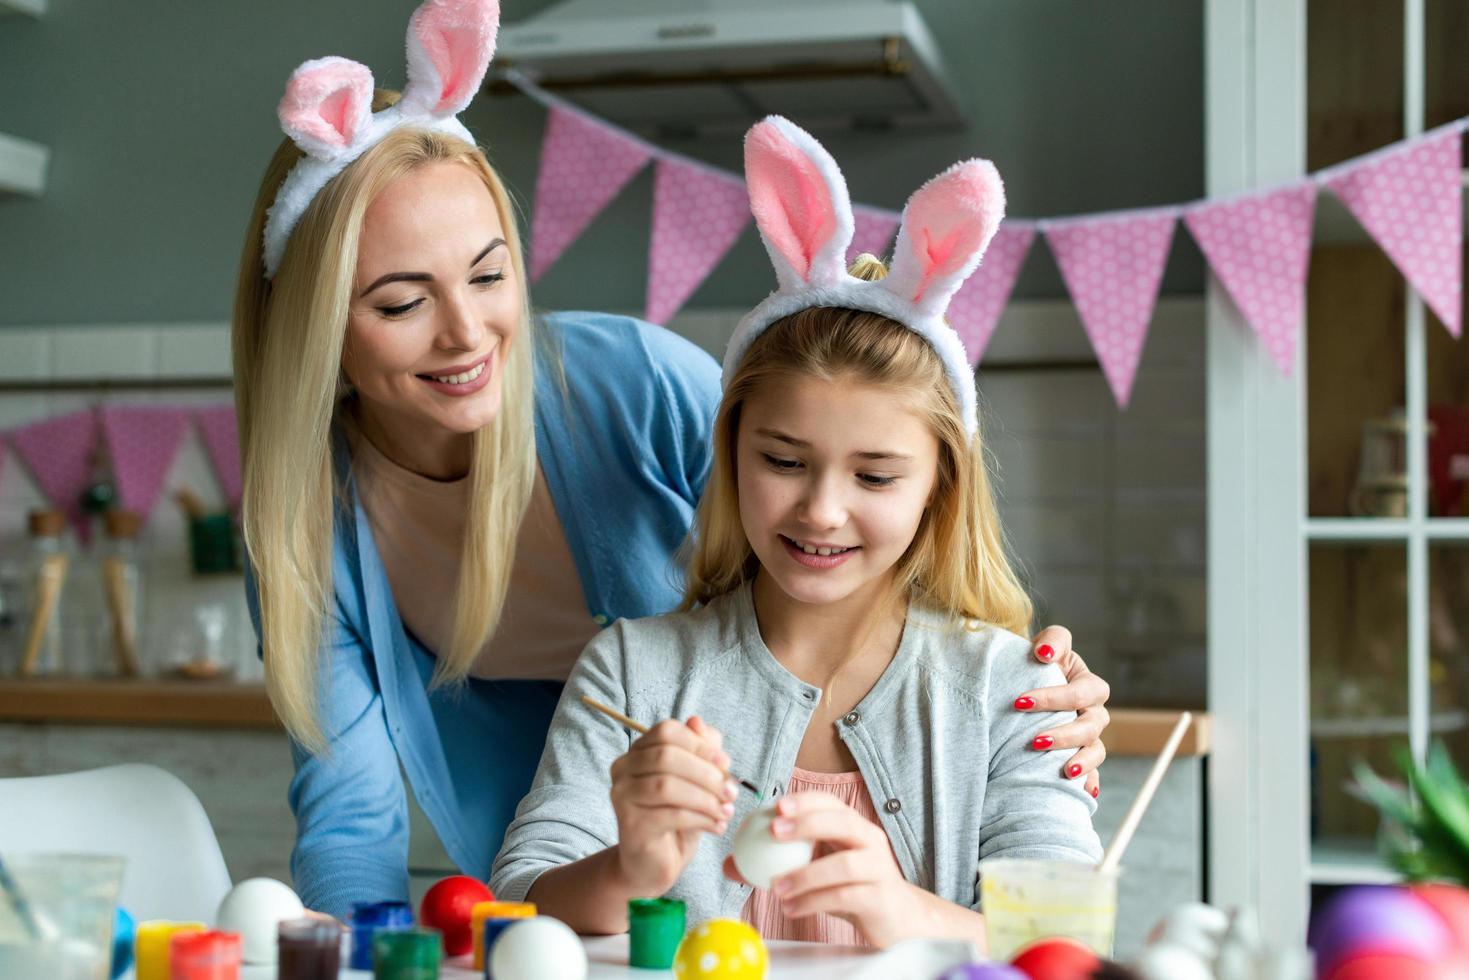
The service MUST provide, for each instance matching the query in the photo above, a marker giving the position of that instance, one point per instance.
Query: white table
(607, 956)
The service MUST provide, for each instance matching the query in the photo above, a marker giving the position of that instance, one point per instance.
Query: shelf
(152, 702)
(22, 165)
(31, 8)
(1335, 225)
(1337, 861)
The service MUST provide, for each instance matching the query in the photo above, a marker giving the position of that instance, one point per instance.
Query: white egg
(254, 908)
(1167, 962)
(538, 948)
(759, 856)
(1194, 926)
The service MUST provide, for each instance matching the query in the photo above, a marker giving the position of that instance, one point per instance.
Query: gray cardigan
(945, 755)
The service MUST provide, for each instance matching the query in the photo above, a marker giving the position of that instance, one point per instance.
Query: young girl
(850, 624)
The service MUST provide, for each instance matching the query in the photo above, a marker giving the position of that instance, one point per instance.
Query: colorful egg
(1452, 903)
(1392, 966)
(720, 949)
(538, 948)
(255, 908)
(1385, 920)
(983, 971)
(759, 856)
(1056, 959)
(447, 907)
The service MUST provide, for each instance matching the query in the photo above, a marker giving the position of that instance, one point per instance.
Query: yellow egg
(721, 949)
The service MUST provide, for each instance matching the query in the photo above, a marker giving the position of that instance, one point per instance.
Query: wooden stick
(1123, 837)
(120, 605)
(642, 729)
(48, 586)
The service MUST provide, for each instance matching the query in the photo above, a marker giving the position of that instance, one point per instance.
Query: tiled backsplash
(1105, 508)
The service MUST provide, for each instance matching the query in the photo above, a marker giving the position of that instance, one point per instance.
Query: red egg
(1451, 902)
(446, 907)
(1377, 920)
(1056, 959)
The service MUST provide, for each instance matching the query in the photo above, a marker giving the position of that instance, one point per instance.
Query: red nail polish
(1045, 652)
(1073, 770)
(1096, 792)
(1043, 741)
(1024, 704)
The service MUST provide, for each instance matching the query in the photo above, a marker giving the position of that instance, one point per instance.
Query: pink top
(763, 909)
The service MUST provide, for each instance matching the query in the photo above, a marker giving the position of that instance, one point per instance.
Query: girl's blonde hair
(288, 337)
(957, 561)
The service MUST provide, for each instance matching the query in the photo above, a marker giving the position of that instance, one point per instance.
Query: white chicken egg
(759, 856)
(255, 908)
(538, 948)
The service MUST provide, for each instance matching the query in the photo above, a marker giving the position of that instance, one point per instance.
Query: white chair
(146, 815)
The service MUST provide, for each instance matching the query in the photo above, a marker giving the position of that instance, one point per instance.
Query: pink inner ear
(951, 219)
(459, 38)
(325, 102)
(789, 197)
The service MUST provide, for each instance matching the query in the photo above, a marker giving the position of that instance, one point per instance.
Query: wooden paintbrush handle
(50, 578)
(120, 605)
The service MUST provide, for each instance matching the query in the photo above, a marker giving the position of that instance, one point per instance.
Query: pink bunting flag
(872, 232)
(1410, 201)
(59, 453)
(584, 165)
(142, 442)
(976, 307)
(1260, 247)
(698, 212)
(222, 443)
(1113, 267)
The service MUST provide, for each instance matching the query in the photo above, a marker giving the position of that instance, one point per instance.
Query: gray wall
(160, 116)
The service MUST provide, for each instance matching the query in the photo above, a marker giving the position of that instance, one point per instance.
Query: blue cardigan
(625, 446)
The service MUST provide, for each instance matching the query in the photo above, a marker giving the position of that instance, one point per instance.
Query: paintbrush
(642, 729)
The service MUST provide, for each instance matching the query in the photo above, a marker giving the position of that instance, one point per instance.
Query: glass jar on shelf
(46, 569)
(121, 577)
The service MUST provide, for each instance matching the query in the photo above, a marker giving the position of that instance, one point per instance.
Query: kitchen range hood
(674, 67)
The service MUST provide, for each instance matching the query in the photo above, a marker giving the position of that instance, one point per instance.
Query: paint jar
(152, 945)
(308, 949)
(655, 927)
(212, 955)
(407, 954)
(482, 912)
(1027, 900)
(370, 918)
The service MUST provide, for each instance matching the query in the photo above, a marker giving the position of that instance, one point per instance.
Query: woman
(444, 500)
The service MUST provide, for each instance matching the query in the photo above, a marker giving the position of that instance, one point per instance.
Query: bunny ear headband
(801, 206)
(327, 108)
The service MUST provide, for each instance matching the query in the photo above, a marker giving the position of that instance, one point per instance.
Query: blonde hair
(957, 560)
(288, 337)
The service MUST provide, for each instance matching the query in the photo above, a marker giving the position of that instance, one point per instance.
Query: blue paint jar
(370, 918)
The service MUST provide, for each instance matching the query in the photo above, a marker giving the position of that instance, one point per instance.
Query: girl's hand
(854, 875)
(672, 786)
(1085, 693)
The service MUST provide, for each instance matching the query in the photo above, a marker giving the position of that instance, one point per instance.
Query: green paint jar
(655, 927)
(406, 954)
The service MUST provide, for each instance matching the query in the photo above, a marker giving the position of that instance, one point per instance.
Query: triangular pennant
(583, 167)
(976, 307)
(1260, 246)
(697, 215)
(1113, 267)
(1410, 201)
(142, 442)
(872, 232)
(59, 453)
(222, 443)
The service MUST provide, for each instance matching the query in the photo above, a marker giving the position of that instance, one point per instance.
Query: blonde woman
(446, 498)
(849, 636)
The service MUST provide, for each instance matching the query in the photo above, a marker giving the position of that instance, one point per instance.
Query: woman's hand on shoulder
(1085, 693)
(670, 788)
(854, 875)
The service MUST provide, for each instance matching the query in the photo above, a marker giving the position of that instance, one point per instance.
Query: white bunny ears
(801, 206)
(327, 108)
